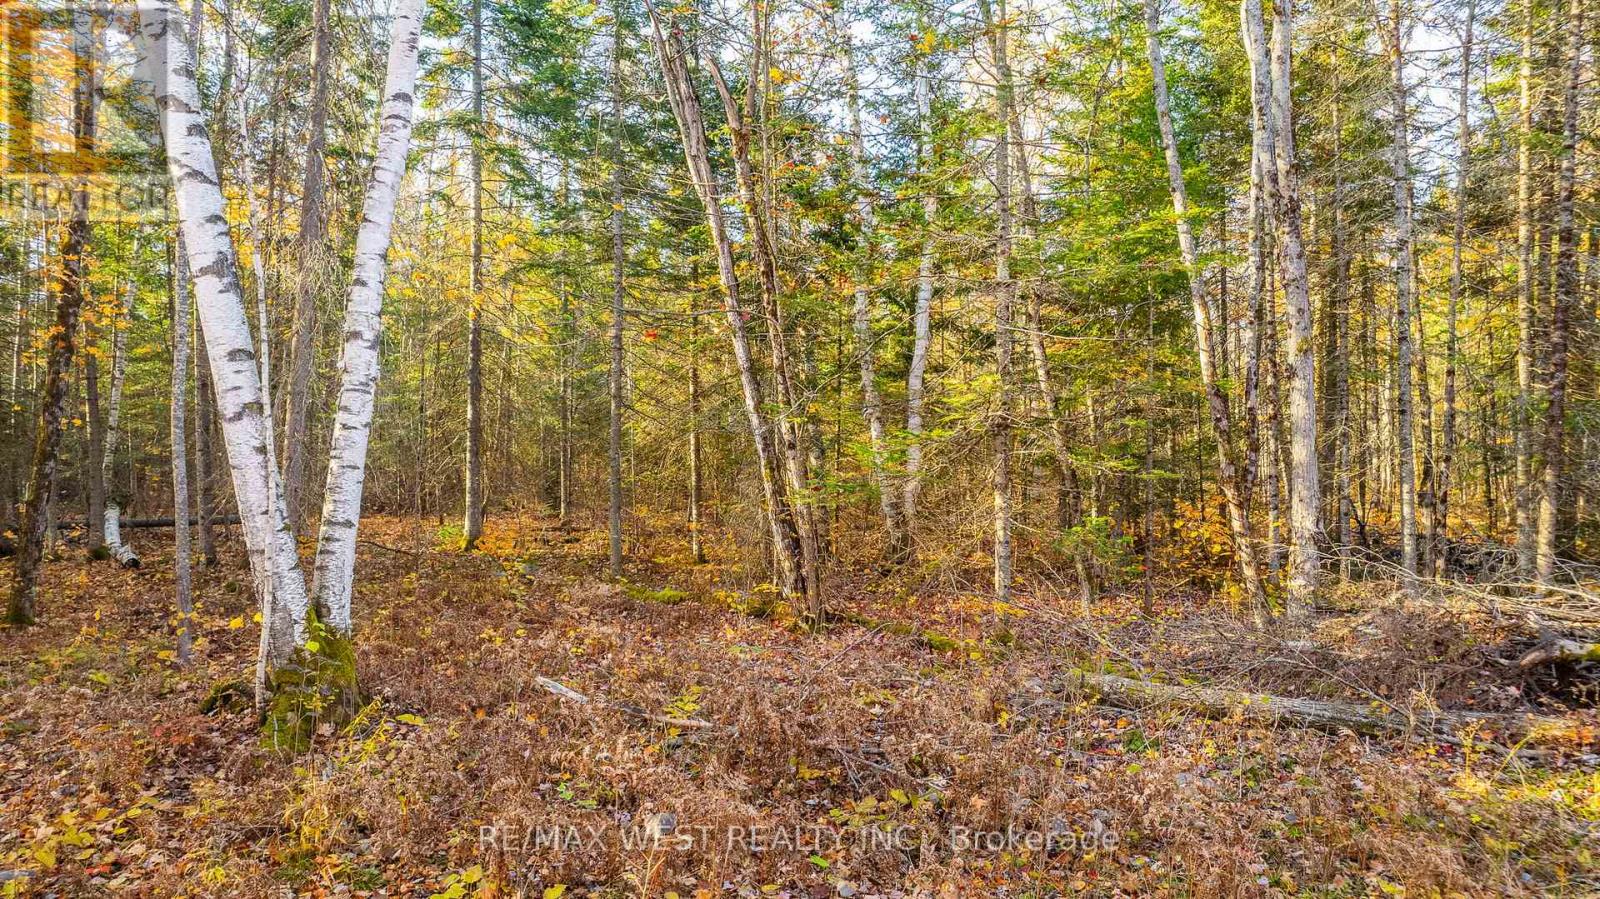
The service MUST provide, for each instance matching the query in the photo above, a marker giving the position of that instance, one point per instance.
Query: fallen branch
(571, 695)
(1216, 702)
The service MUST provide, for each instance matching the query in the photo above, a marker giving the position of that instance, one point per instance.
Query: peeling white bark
(223, 321)
(352, 428)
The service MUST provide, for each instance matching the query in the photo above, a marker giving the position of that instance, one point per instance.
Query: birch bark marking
(1221, 422)
(224, 322)
(334, 578)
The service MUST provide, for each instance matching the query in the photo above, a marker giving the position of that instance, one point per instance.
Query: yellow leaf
(555, 892)
(236, 623)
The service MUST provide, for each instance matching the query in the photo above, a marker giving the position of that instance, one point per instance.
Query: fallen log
(155, 522)
(120, 551)
(1559, 651)
(565, 692)
(1320, 714)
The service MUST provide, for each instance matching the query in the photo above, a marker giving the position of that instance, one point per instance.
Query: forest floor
(921, 747)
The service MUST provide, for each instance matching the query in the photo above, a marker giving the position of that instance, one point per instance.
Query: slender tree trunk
(69, 289)
(1447, 455)
(95, 464)
(922, 315)
(313, 271)
(180, 458)
(1525, 314)
(1004, 293)
(472, 525)
(618, 262)
(1305, 494)
(112, 524)
(1228, 474)
(209, 251)
(204, 483)
(1400, 163)
(1340, 309)
(889, 495)
(334, 578)
(1563, 304)
(697, 550)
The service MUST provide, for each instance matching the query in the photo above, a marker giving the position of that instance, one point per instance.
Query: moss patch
(315, 692)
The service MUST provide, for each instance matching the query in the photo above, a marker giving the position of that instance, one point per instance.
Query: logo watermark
(80, 133)
(663, 833)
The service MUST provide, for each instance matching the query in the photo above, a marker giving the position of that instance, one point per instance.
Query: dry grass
(110, 779)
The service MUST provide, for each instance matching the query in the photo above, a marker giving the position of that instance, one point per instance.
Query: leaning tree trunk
(790, 420)
(1400, 162)
(785, 534)
(1228, 474)
(226, 327)
(1563, 304)
(69, 288)
(1004, 293)
(334, 578)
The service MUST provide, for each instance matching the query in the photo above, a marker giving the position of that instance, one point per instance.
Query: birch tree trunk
(1563, 304)
(785, 533)
(334, 578)
(209, 251)
(112, 526)
(1228, 474)
(95, 464)
(889, 495)
(1400, 163)
(472, 523)
(1004, 294)
(922, 315)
